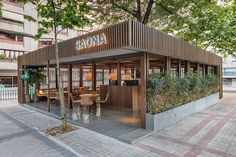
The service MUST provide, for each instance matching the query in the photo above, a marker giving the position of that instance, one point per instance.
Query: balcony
(11, 26)
(12, 16)
(13, 3)
(13, 7)
(8, 65)
(11, 45)
(11, 41)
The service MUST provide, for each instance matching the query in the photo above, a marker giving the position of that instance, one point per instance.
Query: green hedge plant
(167, 92)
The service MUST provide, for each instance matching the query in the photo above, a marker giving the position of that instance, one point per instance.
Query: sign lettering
(91, 41)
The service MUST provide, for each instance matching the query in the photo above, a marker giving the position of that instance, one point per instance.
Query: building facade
(229, 73)
(16, 37)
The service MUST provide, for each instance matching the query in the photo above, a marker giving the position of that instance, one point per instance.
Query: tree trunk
(61, 93)
(148, 11)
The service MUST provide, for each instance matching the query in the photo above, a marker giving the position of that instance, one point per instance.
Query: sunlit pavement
(20, 140)
(211, 132)
(81, 141)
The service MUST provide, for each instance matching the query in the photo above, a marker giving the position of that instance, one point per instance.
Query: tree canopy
(209, 24)
(63, 14)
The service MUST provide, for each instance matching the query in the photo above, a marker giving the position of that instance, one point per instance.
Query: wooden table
(92, 96)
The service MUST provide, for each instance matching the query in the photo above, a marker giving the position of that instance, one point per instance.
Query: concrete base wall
(162, 120)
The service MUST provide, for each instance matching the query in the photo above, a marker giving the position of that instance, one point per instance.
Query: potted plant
(33, 76)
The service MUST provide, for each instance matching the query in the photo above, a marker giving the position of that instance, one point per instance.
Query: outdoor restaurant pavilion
(117, 60)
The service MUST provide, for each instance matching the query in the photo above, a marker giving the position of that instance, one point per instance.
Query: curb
(59, 142)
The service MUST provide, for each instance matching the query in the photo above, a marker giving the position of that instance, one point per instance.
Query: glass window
(44, 43)
(227, 82)
(229, 71)
(12, 37)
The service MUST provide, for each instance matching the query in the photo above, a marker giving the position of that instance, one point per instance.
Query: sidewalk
(20, 140)
(211, 132)
(83, 141)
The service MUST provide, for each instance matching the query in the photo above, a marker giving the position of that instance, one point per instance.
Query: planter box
(164, 119)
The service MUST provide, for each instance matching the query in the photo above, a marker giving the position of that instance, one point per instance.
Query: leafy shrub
(167, 92)
(33, 75)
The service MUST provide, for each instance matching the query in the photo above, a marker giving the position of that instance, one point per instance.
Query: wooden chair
(54, 96)
(86, 101)
(99, 102)
(66, 97)
(75, 100)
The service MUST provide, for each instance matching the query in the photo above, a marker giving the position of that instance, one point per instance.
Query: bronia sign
(91, 41)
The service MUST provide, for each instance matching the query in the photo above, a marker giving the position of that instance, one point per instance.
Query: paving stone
(20, 140)
(210, 133)
(206, 154)
(90, 143)
(26, 146)
(134, 136)
(8, 127)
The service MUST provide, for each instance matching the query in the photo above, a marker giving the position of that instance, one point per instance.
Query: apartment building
(229, 73)
(16, 38)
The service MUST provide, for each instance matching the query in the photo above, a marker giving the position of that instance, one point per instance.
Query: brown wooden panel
(125, 96)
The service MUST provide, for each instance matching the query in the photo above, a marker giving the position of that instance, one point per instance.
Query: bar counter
(124, 96)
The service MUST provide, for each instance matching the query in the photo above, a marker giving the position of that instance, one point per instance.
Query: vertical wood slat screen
(129, 35)
(163, 44)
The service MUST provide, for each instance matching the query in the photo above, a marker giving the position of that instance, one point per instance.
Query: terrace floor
(120, 123)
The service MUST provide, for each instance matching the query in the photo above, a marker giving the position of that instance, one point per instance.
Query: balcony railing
(8, 93)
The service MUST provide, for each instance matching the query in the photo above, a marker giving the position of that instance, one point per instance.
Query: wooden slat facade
(150, 40)
(129, 35)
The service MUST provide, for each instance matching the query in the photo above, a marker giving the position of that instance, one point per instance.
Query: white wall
(8, 66)
(11, 46)
(13, 8)
(233, 83)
